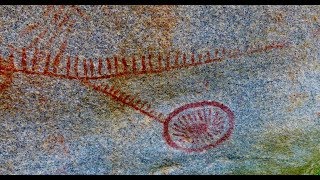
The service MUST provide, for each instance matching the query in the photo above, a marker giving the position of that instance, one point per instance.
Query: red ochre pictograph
(113, 67)
(191, 128)
(6, 75)
(198, 126)
(194, 127)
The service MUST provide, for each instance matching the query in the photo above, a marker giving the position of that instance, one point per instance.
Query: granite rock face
(159, 89)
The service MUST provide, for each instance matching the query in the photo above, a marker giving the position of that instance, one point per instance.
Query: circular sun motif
(198, 126)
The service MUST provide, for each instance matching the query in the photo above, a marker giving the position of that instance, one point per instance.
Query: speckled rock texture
(159, 89)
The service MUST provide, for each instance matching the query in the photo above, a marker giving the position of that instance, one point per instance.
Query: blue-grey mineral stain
(52, 125)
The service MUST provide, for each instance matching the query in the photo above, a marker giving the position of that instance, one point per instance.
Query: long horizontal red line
(141, 72)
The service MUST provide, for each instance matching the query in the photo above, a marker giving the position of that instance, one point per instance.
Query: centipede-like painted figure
(194, 127)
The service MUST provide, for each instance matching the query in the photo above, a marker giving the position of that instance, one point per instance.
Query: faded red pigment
(136, 103)
(60, 19)
(186, 134)
(117, 68)
(194, 127)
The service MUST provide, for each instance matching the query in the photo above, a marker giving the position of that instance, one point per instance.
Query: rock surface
(264, 70)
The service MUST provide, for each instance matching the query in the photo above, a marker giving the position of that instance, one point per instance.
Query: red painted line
(46, 68)
(108, 66)
(100, 67)
(134, 65)
(216, 53)
(168, 61)
(176, 60)
(36, 40)
(68, 65)
(121, 95)
(116, 65)
(192, 58)
(64, 20)
(85, 69)
(116, 92)
(143, 63)
(184, 59)
(58, 14)
(35, 59)
(1, 61)
(11, 61)
(76, 66)
(24, 59)
(106, 87)
(57, 59)
(56, 63)
(150, 62)
(235, 54)
(125, 65)
(148, 106)
(138, 102)
(201, 117)
(131, 101)
(199, 58)
(143, 104)
(208, 57)
(224, 52)
(48, 9)
(159, 62)
(126, 97)
(111, 90)
(80, 12)
(91, 67)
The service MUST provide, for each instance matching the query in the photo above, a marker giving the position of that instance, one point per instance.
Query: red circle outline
(226, 136)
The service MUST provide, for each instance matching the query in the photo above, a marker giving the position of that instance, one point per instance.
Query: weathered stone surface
(261, 89)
